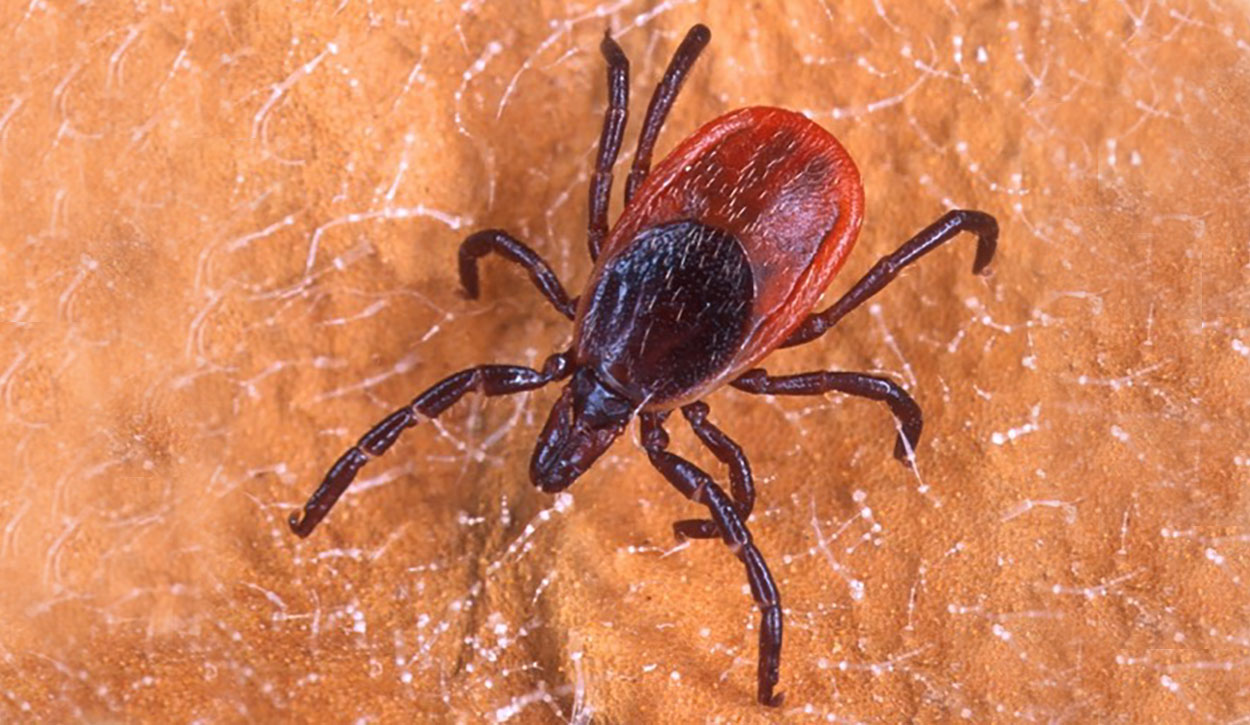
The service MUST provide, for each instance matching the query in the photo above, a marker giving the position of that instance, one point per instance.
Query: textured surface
(228, 247)
(668, 313)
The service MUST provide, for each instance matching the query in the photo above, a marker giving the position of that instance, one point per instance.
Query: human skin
(226, 253)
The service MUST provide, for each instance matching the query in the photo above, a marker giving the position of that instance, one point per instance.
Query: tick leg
(698, 486)
(489, 379)
(865, 386)
(727, 451)
(888, 267)
(609, 142)
(695, 529)
(493, 240)
(661, 101)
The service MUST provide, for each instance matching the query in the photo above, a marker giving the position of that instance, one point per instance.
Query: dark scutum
(669, 312)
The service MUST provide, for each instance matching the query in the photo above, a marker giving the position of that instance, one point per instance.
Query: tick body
(720, 256)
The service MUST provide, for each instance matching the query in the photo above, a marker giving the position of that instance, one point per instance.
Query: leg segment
(493, 240)
(662, 101)
(727, 451)
(609, 142)
(489, 379)
(901, 404)
(697, 486)
(888, 267)
(695, 529)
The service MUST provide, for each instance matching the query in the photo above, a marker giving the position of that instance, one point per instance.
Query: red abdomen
(770, 182)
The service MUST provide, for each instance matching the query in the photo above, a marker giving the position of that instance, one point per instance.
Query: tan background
(227, 248)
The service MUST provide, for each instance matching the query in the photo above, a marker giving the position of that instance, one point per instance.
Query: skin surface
(229, 245)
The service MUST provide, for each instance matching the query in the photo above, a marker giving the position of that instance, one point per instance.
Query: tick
(719, 258)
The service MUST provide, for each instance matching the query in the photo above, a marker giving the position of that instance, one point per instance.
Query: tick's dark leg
(494, 240)
(489, 379)
(697, 486)
(609, 142)
(866, 386)
(888, 267)
(662, 101)
(728, 452)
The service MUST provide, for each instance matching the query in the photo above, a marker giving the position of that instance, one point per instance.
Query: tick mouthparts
(561, 459)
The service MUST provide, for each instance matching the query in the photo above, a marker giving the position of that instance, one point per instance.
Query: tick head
(585, 421)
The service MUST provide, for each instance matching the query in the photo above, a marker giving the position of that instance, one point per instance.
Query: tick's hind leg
(698, 486)
(888, 267)
(872, 387)
(500, 242)
(661, 101)
(489, 379)
(727, 451)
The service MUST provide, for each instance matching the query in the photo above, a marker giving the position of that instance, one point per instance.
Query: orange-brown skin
(779, 183)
